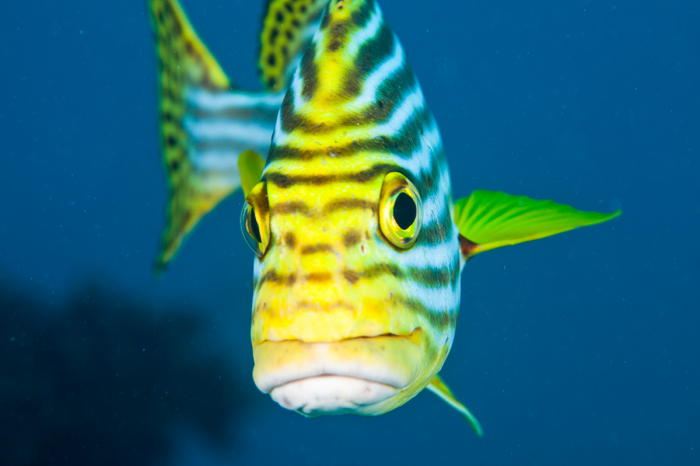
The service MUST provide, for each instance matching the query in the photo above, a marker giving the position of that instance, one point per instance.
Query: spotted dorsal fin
(205, 124)
(287, 27)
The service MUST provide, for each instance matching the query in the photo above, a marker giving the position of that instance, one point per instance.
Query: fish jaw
(357, 375)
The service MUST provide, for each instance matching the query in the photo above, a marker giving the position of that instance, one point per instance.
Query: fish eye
(400, 211)
(255, 221)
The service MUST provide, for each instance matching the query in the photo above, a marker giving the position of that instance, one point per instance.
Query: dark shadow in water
(106, 381)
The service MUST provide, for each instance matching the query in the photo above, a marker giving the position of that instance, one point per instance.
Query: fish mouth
(352, 375)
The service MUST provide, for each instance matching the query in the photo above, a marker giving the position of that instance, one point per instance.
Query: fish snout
(357, 375)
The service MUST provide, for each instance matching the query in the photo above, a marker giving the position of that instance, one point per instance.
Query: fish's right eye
(400, 211)
(255, 220)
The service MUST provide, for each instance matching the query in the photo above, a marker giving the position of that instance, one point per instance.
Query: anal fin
(438, 387)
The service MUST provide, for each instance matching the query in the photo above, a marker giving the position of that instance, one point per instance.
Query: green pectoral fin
(487, 220)
(438, 387)
(251, 165)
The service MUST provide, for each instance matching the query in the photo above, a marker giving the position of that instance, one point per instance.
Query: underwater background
(578, 349)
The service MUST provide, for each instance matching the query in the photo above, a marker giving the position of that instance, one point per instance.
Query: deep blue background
(576, 349)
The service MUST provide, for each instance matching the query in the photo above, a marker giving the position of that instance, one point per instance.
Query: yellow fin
(287, 27)
(487, 220)
(183, 62)
(438, 387)
(251, 165)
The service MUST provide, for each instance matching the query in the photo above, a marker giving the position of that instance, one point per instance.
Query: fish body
(359, 246)
(354, 113)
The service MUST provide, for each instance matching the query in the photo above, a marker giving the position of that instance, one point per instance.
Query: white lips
(331, 394)
(389, 360)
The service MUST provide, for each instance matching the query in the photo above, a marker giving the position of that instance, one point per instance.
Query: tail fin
(204, 124)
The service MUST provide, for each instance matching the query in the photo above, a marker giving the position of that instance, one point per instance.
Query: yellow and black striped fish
(359, 246)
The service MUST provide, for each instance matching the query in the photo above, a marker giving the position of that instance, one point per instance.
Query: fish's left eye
(400, 211)
(255, 220)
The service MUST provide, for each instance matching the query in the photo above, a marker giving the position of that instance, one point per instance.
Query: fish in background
(348, 208)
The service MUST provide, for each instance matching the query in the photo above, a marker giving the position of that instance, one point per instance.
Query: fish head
(355, 282)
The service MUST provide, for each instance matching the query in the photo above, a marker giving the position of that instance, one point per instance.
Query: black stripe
(370, 56)
(437, 318)
(316, 248)
(285, 181)
(338, 35)
(436, 232)
(298, 207)
(362, 16)
(399, 84)
(347, 204)
(403, 144)
(428, 182)
(433, 277)
(292, 207)
(309, 72)
(390, 95)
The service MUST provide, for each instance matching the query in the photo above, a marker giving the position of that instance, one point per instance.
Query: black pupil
(404, 211)
(255, 229)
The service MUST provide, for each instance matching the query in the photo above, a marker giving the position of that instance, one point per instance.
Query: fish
(358, 244)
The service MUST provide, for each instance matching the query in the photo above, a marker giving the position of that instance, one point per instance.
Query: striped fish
(359, 246)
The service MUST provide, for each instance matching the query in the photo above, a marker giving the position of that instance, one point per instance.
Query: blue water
(580, 349)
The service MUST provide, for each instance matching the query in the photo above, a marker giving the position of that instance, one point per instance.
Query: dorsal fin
(286, 29)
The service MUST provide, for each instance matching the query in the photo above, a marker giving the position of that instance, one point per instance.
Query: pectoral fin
(487, 220)
(438, 387)
(251, 165)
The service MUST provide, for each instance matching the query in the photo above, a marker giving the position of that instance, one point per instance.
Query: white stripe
(411, 103)
(436, 299)
(217, 101)
(296, 89)
(256, 269)
(226, 129)
(279, 137)
(435, 205)
(436, 255)
(215, 159)
(374, 80)
(367, 32)
(318, 40)
(421, 159)
(214, 181)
